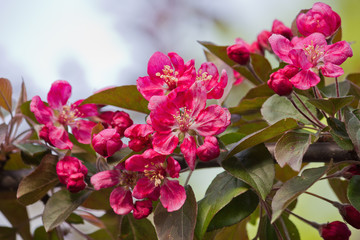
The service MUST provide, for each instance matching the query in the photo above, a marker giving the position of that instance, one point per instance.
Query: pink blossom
(107, 142)
(156, 169)
(58, 115)
(182, 117)
(208, 75)
(239, 52)
(309, 55)
(142, 209)
(280, 80)
(140, 136)
(263, 39)
(238, 78)
(166, 73)
(71, 172)
(121, 199)
(209, 150)
(320, 18)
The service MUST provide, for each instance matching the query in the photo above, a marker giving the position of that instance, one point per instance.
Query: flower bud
(239, 53)
(279, 28)
(71, 172)
(351, 171)
(107, 142)
(320, 18)
(121, 121)
(280, 83)
(209, 150)
(335, 231)
(140, 136)
(44, 134)
(263, 40)
(350, 215)
(142, 209)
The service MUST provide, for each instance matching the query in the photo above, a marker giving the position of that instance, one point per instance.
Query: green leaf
(133, 229)
(330, 90)
(25, 109)
(254, 166)
(60, 205)
(261, 66)
(290, 149)
(249, 106)
(339, 185)
(293, 188)
(331, 105)
(7, 233)
(99, 199)
(234, 232)
(232, 137)
(15, 213)
(127, 97)
(75, 219)
(353, 191)
(5, 94)
(238, 209)
(339, 134)
(263, 135)
(277, 107)
(221, 191)
(32, 154)
(352, 124)
(179, 224)
(41, 234)
(34, 186)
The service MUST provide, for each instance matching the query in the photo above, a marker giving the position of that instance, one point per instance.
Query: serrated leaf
(34, 186)
(5, 94)
(352, 124)
(331, 105)
(353, 191)
(221, 191)
(237, 210)
(293, 188)
(263, 135)
(277, 107)
(127, 97)
(339, 134)
(254, 166)
(15, 213)
(60, 205)
(290, 149)
(179, 224)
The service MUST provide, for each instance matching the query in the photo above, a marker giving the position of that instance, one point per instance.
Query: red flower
(71, 172)
(140, 136)
(335, 231)
(279, 28)
(320, 18)
(118, 120)
(209, 150)
(208, 75)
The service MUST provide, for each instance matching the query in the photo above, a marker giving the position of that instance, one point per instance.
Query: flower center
(156, 173)
(203, 76)
(169, 76)
(128, 178)
(184, 119)
(314, 53)
(68, 115)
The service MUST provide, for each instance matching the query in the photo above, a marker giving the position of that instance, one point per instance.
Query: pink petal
(43, 113)
(331, 70)
(338, 52)
(82, 130)
(209, 150)
(149, 87)
(59, 94)
(156, 64)
(59, 138)
(305, 79)
(188, 148)
(121, 201)
(173, 167)
(315, 39)
(172, 195)
(165, 143)
(86, 110)
(212, 121)
(143, 188)
(142, 209)
(281, 46)
(105, 179)
(177, 62)
(299, 59)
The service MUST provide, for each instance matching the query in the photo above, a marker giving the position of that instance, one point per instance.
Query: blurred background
(96, 44)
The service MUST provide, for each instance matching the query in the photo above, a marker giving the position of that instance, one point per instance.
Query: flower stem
(317, 95)
(337, 94)
(308, 110)
(188, 177)
(313, 224)
(301, 112)
(320, 197)
(252, 71)
(267, 210)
